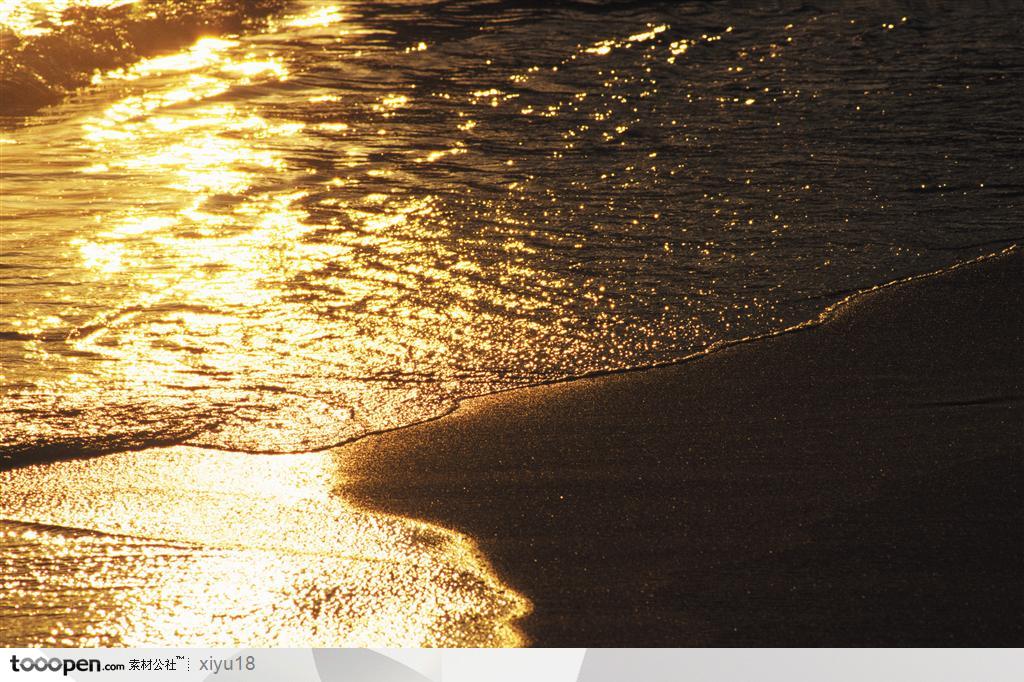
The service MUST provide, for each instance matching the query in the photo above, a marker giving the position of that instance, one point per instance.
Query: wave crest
(36, 70)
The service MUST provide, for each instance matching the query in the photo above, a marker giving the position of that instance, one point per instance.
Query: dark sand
(853, 483)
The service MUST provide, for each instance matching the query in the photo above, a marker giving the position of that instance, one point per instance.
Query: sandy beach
(496, 324)
(857, 482)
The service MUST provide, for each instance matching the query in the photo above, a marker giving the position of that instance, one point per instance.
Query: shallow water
(195, 548)
(279, 241)
(359, 213)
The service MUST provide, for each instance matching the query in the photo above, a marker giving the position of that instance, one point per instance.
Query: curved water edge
(33, 455)
(180, 522)
(353, 216)
(360, 214)
(184, 547)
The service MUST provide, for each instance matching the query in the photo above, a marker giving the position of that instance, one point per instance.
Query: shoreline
(806, 491)
(34, 454)
(586, 520)
(181, 546)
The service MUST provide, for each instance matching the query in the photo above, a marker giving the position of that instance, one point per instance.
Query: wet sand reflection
(202, 548)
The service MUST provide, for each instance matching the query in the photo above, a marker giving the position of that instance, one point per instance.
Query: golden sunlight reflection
(316, 17)
(36, 17)
(214, 273)
(335, 218)
(347, 218)
(237, 300)
(193, 547)
(195, 269)
(204, 53)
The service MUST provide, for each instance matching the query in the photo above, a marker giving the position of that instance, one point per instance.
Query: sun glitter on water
(182, 546)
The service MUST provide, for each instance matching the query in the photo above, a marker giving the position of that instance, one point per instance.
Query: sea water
(344, 217)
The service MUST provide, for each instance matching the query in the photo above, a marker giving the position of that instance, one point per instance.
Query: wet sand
(182, 546)
(853, 483)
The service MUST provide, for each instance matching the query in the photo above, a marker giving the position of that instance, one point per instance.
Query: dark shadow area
(855, 483)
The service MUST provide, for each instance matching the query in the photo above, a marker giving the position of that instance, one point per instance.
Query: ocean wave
(41, 66)
(133, 426)
(353, 218)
